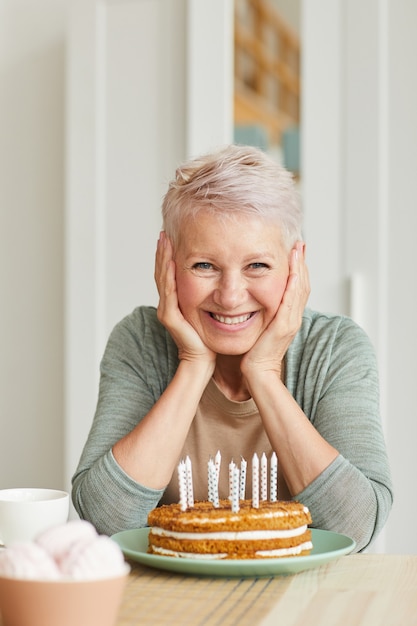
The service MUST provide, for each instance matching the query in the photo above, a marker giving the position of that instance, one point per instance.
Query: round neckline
(242, 408)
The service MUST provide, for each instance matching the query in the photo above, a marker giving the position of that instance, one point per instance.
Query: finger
(158, 257)
(164, 270)
(304, 278)
(299, 268)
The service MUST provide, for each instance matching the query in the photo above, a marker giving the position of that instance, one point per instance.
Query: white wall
(359, 189)
(32, 101)
(401, 336)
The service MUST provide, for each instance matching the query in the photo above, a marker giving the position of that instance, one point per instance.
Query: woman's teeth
(231, 320)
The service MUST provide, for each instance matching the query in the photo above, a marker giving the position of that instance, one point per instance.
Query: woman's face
(231, 276)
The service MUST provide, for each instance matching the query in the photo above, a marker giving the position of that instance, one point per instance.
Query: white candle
(217, 462)
(232, 466)
(264, 471)
(182, 485)
(235, 489)
(255, 481)
(274, 478)
(242, 490)
(189, 477)
(209, 483)
(213, 484)
(210, 474)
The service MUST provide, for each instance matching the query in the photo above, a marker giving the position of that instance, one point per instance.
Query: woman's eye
(202, 266)
(257, 266)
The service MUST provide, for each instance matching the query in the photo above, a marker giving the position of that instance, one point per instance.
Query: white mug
(26, 512)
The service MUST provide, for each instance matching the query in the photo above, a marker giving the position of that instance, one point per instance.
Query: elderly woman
(232, 360)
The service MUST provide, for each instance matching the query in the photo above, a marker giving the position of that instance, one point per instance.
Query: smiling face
(231, 276)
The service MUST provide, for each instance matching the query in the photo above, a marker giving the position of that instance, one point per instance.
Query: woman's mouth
(231, 320)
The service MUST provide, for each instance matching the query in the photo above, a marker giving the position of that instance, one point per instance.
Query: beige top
(233, 428)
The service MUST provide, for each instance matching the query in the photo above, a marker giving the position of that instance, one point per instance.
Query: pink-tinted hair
(234, 181)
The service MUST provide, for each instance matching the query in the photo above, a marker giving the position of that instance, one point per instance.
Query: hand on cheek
(269, 351)
(190, 346)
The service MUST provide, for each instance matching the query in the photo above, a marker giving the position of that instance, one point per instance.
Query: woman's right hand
(190, 345)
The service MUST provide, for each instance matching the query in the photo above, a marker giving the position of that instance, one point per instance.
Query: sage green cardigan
(331, 372)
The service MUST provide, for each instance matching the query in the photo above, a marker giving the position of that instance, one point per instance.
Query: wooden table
(357, 590)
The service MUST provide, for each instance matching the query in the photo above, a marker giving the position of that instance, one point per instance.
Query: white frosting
(235, 518)
(232, 535)
(286, 551)
(187, 555)
(212, 557)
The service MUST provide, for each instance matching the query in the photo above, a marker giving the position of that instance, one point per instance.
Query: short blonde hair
(234, 181)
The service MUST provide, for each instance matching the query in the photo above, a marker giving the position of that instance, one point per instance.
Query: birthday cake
(204, 531)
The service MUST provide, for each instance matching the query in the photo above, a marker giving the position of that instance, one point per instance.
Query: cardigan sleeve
(136, 365)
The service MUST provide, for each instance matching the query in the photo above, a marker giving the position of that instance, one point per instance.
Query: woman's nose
(230, 291)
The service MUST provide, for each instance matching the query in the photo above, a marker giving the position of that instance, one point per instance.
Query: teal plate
(327, 546)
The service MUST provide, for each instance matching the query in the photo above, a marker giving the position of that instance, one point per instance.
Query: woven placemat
(159, 598)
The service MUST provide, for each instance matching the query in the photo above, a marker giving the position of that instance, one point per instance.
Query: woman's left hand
(303, 453)
(269, 350)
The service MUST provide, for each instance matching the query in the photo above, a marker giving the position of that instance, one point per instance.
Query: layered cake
(203, 531)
